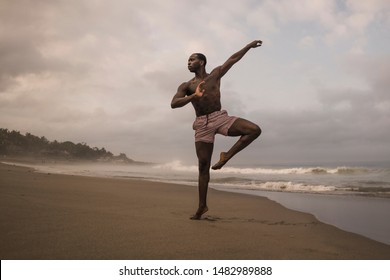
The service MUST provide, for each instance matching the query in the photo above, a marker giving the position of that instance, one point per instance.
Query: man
(203, 91)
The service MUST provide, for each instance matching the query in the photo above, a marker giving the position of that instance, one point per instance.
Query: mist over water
(345, 180)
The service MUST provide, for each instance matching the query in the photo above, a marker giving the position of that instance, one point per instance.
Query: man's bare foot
(222, 161)
(199, 213)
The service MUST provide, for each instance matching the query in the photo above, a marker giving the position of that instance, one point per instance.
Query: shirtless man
(203, 91)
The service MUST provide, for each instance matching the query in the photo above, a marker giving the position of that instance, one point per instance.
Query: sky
(105, 72)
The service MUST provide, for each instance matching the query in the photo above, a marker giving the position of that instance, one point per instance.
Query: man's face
(194, 63)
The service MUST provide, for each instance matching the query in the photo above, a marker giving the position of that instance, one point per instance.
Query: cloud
(105, 73)
(306, 42)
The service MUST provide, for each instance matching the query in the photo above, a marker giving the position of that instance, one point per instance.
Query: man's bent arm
(237, 56)
(181, 99)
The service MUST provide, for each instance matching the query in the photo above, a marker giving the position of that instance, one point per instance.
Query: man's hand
(255, 44)
(199, 92)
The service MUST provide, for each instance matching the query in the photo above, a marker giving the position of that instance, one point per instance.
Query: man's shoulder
(187, 83)
(185, 87)
(216, 71)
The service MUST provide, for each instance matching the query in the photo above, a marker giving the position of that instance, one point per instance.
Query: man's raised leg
(204, 152)
(248, 132)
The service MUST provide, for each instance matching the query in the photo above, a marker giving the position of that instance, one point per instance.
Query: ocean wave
(295, 170)
(295, 187)
(274, 186)
(342, 170)
(176, 165)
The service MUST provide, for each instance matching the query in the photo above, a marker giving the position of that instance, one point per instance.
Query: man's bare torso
(211, 99)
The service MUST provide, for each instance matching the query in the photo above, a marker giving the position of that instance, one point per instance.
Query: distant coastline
(31, 148)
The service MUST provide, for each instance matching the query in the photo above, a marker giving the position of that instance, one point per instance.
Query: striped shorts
(208, 125)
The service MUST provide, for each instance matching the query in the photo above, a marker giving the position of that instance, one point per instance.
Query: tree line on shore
(13, 143)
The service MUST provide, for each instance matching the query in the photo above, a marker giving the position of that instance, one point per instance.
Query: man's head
(196, 61)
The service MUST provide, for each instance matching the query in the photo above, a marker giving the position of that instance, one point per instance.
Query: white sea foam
(295, 179)
(279, 186)
(178, 166)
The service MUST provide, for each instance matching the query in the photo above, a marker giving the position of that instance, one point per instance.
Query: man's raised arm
(237, 56)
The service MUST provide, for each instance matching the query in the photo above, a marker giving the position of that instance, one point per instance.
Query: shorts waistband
(213, 114)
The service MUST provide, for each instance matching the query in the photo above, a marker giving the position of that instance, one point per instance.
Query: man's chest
(210, 86)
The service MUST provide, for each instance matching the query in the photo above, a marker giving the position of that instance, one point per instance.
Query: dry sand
(46, 216)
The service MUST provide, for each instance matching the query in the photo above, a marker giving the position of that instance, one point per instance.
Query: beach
(71, 217)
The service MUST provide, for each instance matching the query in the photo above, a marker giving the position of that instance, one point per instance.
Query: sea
(355, 198)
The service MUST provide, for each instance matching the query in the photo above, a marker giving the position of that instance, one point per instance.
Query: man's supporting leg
(204, 152)
(248, 132)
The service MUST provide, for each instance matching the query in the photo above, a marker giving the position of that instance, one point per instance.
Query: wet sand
(47, 216)
(367, 216)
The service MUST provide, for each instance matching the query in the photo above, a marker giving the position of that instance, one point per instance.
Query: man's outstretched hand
(255, 44)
